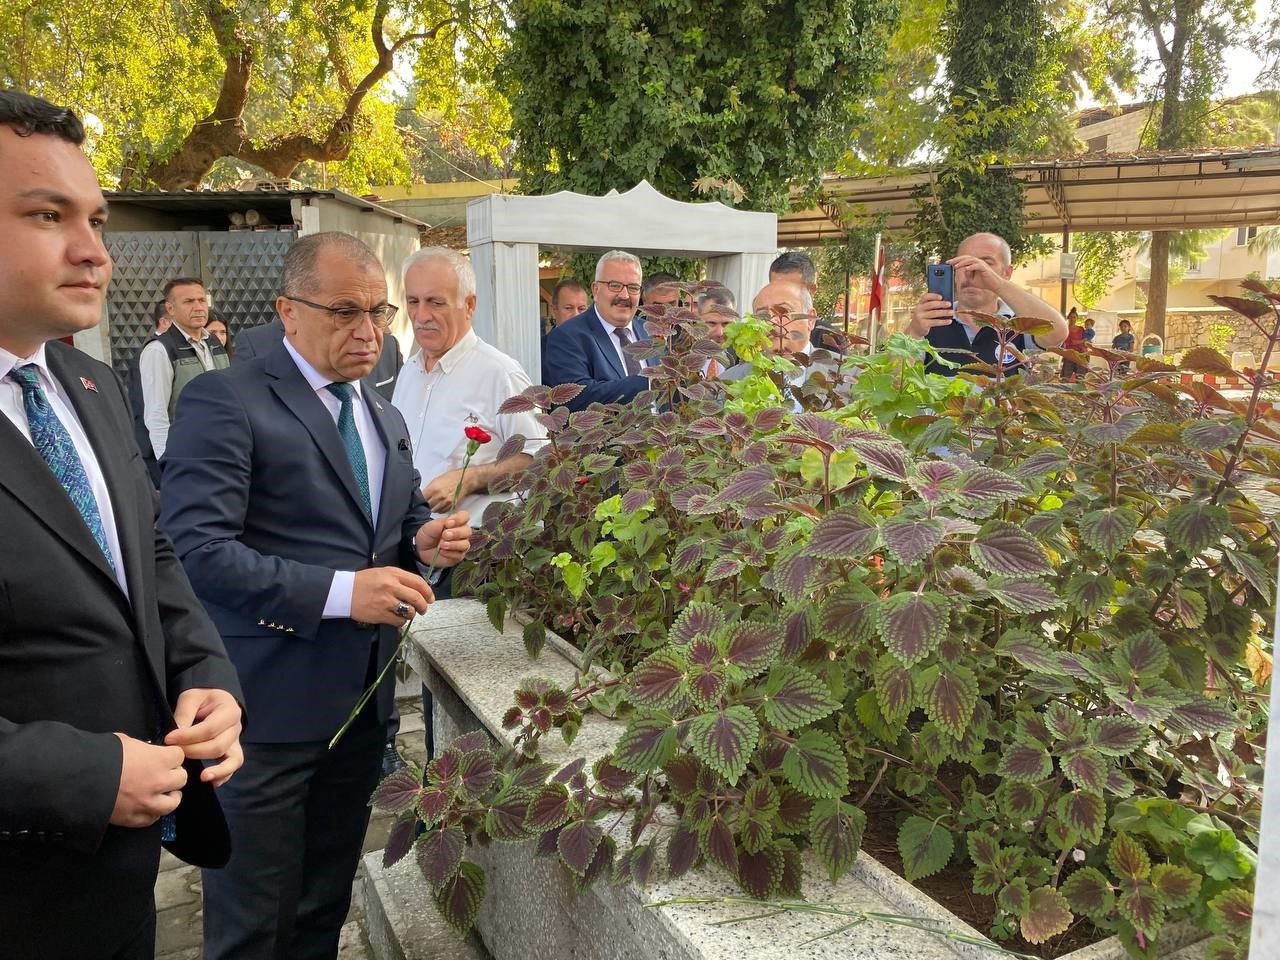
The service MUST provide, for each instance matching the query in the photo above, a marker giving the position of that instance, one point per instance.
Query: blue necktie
(50, 438)
(351, 440)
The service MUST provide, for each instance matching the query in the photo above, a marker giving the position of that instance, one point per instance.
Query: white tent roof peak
(640, 220)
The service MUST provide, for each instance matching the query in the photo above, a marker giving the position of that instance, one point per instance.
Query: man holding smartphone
(982, 267)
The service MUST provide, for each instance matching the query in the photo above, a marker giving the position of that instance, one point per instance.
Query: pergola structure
(505, 232)
(1164, 190)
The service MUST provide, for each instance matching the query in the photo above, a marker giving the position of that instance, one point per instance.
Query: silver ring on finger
(402, 610)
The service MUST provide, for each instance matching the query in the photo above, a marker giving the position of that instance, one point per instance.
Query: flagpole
(874, 302)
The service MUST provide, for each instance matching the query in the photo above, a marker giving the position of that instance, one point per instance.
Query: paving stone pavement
(178, 921)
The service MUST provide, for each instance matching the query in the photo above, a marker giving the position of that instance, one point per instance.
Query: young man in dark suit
(114, 685)
(294, 505)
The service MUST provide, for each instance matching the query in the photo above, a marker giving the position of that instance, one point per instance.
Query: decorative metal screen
(144, 260)
(241, 271)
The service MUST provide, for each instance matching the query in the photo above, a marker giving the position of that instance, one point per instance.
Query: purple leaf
(795, 697)
(849, 614)
(1023, 595)
(719, 847)
(440, 853)
(951, 699)
(847, 532)
(835, 828)
(564, 393)
(399, 840)
(884, 459)
(760, 873)
(682, 851)
(1109, 529)
(724, 740)
(747, 483)
(912, 624)
(722, 568)
(911, 540)
(477, 773)
(459, 901)
(1025, 763)
(656, 681)
(577, 844)
(1000, 547)
(432, 802)
(696, 619)
(751, 647)
(791, 575)
(647, 743)
(984, 485)
(895, 689)
(797, 633)
(1117, 736)
(1086, 769)
(397, 793)
(548, 809)
(815, 765)
(1088, 892)
(1197, 526)
(634, 499)
(1204, 716)
(1047, 915)
(516, 404)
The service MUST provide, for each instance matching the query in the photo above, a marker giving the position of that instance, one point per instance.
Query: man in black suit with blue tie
(588, 349)
(292, 499)
(118, 706)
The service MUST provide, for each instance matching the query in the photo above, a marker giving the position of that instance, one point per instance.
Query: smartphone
(940, 278)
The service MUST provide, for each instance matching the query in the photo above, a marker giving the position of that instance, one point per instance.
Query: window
(1096, 144)
(1245, 234)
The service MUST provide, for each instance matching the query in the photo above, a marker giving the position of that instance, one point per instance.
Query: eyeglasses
(617, 286)
(345, 318)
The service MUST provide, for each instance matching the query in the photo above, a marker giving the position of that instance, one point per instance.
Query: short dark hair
(720, 296)
(182, 282)
(563, 285)
(655, 280)
(26, 115)
(1126, 323)
(793, 261)
(299, 271)
(158, 311)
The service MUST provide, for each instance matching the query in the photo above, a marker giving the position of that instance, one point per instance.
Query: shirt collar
(609, 327)
(314, 378)
(453, 356)
(10, 360)
(195, 341)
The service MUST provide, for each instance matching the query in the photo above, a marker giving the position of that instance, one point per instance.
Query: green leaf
(951, 699)
(1085, 813)
(926, 847)
(1030, 650)
(1088, 592)
(1141, 907)
(895, 688)
(1088, 893)
(696, 619)
(849, 614)
(815, 765)
(1109, 529)
(1048, 915)
(835, 827)
(846, 533)
(496, 610)
(1025, 762)
(911, 540)
(1176, 885)
(1000, 547)
(1204, 716)
(439, 855)
(1020, 801)
(1015, 897)
(460, 898)
(1221, 855)
(751, 647)
(1231, 912)
(535, 636)
(646, 744)
(724, 739)
(984, 486)
(1085, 768)
(1196, 526)
(1142, 654)
(794, 698)
(913, 624)
(1127, 859)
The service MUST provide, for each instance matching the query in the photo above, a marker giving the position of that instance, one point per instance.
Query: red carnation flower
(478, 434)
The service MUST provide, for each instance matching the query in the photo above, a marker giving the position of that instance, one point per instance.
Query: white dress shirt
(156, 372)
(609, 329)
(338, 604)
(465, 387)
(13, 407)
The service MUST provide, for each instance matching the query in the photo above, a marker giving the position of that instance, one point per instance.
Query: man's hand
(151, 781)
(932, 311)
(209, 729)
(439, 492)
(451, 533)
(971, 270)
(378, 591)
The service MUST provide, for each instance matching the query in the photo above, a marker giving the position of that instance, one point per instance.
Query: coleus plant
(1024, 615)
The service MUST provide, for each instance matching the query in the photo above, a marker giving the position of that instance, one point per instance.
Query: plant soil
(953, 887)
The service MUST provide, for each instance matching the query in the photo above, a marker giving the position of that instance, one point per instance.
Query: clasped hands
(208, 724)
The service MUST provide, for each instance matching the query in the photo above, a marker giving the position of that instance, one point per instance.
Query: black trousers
(298, 814)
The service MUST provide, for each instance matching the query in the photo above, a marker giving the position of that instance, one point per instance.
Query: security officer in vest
(169, 362)
(160, 315)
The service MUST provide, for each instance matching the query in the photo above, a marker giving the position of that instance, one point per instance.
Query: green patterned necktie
(52, 441)
(351, 440)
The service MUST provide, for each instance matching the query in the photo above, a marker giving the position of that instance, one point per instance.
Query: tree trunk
(1158, 288)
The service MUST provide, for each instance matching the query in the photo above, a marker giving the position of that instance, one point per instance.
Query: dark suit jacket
(579, 351)
(262, 505)
(78, 661)
(260, 340)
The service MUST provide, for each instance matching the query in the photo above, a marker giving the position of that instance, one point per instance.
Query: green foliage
(1014, 620)
(713, 101)
(1099, 256)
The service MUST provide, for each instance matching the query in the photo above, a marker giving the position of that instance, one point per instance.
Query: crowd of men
(311, 500)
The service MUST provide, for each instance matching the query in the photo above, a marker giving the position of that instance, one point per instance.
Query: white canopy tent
(505, 232)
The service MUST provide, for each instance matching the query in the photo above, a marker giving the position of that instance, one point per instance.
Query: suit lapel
(377, 407)
(292, 389)
(25, 474)
(605, 341)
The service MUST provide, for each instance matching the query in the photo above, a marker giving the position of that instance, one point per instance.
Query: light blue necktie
(351, 440)
(52, 441)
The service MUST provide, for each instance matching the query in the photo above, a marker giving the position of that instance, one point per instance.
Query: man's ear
(284, 310)
(470, 304)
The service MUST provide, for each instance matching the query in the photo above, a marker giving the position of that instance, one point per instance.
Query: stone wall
(1190, 328)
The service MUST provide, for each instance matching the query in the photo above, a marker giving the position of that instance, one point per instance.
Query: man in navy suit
(115, 691)
(588, 349)
(292, 499)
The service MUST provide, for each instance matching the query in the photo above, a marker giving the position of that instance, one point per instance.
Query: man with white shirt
(176, 357)
(590, 349)
(293, 503)
(118, 705)
(456, 380)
